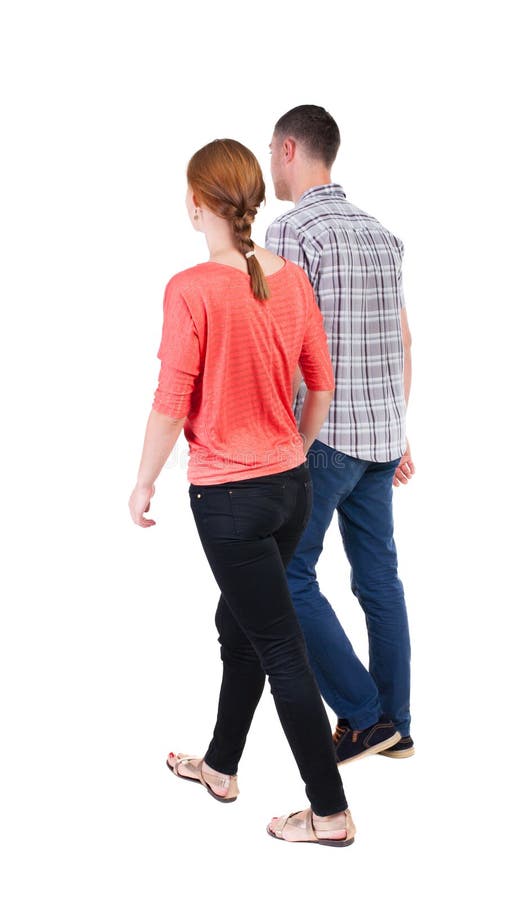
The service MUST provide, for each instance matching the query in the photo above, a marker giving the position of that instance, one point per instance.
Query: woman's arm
(180, 356)
(315, 410)
(316, 368)
(161, 435)
(298, 377)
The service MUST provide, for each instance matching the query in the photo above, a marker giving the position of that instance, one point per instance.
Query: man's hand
(139, 502)
(405, 469)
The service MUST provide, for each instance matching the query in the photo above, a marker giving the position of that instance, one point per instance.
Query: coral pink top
(228, 362)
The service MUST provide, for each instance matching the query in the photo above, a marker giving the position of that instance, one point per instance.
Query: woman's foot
(222, 787)
(338, 829)
(330, 827)
(218, 782)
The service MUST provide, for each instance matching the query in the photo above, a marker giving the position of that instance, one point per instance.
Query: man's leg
(366, 525)
(344, 682)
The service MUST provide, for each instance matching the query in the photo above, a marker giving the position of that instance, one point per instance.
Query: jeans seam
(233, 514)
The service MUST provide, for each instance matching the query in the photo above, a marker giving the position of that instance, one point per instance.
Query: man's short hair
(314, 128)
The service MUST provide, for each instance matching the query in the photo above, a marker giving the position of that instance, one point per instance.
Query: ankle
(330, 827)
(218, 781)
(334, 818)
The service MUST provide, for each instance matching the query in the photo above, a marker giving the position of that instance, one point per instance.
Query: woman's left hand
(139, 502)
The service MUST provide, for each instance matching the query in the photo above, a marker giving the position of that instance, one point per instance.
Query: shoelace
(339, 732)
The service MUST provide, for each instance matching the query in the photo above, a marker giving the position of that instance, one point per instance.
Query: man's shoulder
(360, 220)
(286, 218)
(293, 222)
(312, 221)
(316, 213)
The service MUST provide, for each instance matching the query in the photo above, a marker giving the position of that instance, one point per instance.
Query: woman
(235, 329)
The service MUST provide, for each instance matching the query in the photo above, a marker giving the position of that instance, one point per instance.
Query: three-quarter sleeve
(314, 360)
(180, 356)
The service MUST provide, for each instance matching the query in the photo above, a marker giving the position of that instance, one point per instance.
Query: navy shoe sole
(399, 754)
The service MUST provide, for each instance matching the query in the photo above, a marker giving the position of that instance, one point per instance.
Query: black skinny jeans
(249, 530)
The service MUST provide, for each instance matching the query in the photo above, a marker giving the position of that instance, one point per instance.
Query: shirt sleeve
(314, 360)
(283, 239)
(180, 356)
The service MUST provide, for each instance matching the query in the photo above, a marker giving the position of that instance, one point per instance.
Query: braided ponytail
(242, 230)
(227, 177)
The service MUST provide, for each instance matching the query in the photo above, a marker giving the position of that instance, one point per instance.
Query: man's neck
(314, 178)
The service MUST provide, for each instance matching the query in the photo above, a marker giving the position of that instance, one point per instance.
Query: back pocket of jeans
(211, 510)
(257, 510)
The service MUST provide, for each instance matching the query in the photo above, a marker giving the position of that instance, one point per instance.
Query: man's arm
(406, 466)
(407, 353)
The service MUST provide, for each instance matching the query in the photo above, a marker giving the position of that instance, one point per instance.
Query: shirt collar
(322, 190)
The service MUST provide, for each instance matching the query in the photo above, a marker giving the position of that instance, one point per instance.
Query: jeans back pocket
(258, 510)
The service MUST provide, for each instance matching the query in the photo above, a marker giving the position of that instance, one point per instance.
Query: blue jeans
(361, 492)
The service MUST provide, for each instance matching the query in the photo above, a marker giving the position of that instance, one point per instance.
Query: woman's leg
(242, 685)
(242, 527)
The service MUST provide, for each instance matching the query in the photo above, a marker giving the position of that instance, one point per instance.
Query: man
(354, 265)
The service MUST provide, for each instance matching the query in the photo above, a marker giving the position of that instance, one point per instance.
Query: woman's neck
(220, 240)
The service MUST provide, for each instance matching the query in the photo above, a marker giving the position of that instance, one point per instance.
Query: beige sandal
(193, 765)
(299, 827)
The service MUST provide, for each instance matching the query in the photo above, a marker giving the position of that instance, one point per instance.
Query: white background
(109, 656)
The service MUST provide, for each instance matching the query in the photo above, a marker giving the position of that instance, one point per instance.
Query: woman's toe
(174, 760)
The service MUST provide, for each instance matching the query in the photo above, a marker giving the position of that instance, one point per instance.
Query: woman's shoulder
(192, 277)
(297, 276)
(203, 278)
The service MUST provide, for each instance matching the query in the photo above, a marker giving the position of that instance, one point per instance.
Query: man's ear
(289, 149)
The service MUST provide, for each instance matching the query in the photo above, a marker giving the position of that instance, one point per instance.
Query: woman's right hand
(139, 502)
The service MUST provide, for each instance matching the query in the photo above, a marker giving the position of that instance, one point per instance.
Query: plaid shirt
(354, 265)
